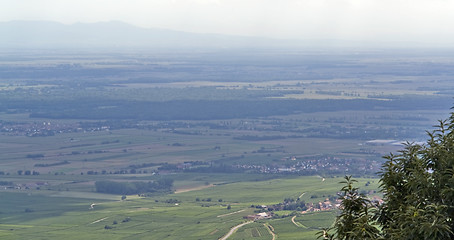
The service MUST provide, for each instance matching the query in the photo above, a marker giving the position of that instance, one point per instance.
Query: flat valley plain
(232, 130)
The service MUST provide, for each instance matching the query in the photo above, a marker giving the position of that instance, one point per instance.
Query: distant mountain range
(114, 34)
(41, 34)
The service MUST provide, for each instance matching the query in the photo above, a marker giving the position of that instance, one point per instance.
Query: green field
(230, 130)
(44, 214)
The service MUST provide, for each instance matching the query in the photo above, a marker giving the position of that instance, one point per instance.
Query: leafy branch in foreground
(356, 219)
(418, 194)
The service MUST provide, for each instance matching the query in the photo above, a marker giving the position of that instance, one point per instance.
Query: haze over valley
(168, 128)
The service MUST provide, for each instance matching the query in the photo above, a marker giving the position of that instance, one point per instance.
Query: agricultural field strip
(99, 220)
(192, 189)
(223, 215)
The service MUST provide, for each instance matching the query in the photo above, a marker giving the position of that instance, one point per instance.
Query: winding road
(297, 223)
(232, 230)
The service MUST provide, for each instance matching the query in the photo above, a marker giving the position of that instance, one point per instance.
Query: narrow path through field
(99, 220)
(232, 230)
(302, 194)
(297, 223)
(182, 190)
(223, 215)
(270, 230)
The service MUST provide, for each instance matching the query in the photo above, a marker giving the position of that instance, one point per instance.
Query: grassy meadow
(45, 214)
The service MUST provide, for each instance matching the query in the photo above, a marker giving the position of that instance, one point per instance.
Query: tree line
(94, 108)
(128, 188)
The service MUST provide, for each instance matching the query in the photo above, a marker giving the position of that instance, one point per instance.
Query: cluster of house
(313, 165)
(326, 205)
(322, 206)
(259, 216)
(32, 185)
(35, 129)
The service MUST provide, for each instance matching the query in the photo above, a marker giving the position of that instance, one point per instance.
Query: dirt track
(232, 230)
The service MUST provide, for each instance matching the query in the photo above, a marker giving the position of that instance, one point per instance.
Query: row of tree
(27, 172)
(128, 188)
(92, 108)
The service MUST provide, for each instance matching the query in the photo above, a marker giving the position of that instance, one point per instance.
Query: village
(315, 164)
(329, 204)
(45, 128)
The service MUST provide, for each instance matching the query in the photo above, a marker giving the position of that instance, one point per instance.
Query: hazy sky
(390, 20)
